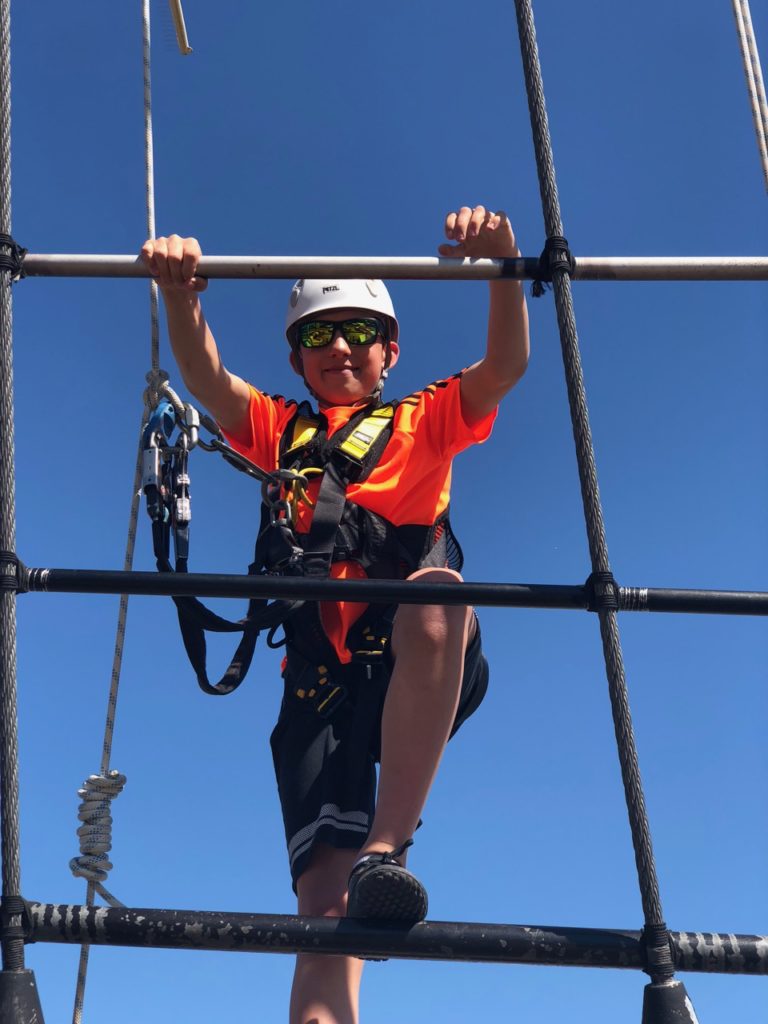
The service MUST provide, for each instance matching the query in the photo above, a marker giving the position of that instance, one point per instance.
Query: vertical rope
(754, 75)
(12, 948)
(649, 888)
(149, 166)
(154, 378)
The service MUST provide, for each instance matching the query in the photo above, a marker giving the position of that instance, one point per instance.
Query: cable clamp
(554, 256)
(13, 261)
(656, 947)
(15, 906)
(14, 575)
(602, 592)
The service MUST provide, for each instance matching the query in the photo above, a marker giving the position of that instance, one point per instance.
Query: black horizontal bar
(505, 595)
(429, 940)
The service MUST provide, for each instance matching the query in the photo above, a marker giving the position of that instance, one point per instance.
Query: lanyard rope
(98, 791)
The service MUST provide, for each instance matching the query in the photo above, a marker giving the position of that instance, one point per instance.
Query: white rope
(95, 833)
(99, 790)
(754, 75)
(106, 773)
(149, 167)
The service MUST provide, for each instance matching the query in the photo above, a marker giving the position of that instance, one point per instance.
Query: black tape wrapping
(16, 581)
(13, 261)
(602, 592)
(14, 906)
(554, 256)
(659, 963)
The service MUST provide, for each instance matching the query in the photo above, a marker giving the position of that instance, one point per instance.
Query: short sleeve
(259, 439)
(437, 414)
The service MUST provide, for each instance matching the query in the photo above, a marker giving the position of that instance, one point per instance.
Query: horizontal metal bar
(429, 940)
(702, 602)
(594, 268)
(503, 595)
(671, 268)
(94, 581)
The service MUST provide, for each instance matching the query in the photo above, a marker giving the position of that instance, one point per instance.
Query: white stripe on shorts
(330, 814)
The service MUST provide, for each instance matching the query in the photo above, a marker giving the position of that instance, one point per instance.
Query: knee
(432, 623)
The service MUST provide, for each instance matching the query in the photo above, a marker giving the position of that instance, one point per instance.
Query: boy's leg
(429, 642)
(325, 988)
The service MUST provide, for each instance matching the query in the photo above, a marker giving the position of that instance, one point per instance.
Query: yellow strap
(362, 438)
(304, 430)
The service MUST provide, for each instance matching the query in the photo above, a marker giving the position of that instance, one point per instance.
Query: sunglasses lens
(360, 332)
(316, 334)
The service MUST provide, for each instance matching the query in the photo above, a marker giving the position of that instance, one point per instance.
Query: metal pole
(428, 940)
(501, 595)
(19, 1002)
(422, 268)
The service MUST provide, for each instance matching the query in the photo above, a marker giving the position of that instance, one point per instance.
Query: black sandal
(380, 887)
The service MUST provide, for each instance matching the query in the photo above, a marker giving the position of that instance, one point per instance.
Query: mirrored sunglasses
(361, 331)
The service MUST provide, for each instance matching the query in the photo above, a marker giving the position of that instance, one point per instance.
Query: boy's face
(340, 373)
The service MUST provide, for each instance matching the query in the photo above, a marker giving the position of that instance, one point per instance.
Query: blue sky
(351, 129)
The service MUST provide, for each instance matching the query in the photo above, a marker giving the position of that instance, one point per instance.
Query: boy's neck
(360, 404)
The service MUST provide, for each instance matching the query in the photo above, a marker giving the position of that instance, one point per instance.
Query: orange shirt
(410, 484)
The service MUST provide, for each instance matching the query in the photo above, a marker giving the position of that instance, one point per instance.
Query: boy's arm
(173, 263)
(482, 234)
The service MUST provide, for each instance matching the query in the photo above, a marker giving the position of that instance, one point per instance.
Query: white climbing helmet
(310, 296)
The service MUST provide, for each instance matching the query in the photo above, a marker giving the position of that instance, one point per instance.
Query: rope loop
(657, 951)
(602, 592)
(95, 833)
(13, 261)
(14, 575)
(554, 256)
(156, 380)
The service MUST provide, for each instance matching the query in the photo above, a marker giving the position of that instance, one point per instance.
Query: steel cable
(638, 818)
(12, 948)
(754, 75)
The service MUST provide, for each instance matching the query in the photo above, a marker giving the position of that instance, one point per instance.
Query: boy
(346, 843)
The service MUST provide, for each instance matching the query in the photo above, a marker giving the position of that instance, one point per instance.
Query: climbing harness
(340, 531)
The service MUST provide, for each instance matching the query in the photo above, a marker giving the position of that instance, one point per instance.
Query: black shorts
(326, 766)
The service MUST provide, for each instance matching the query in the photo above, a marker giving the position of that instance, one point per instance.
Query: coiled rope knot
(95, 833)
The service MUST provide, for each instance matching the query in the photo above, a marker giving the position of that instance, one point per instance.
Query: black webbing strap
(195, 619)
(331, 499)
(14, 260)
(554, 256)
